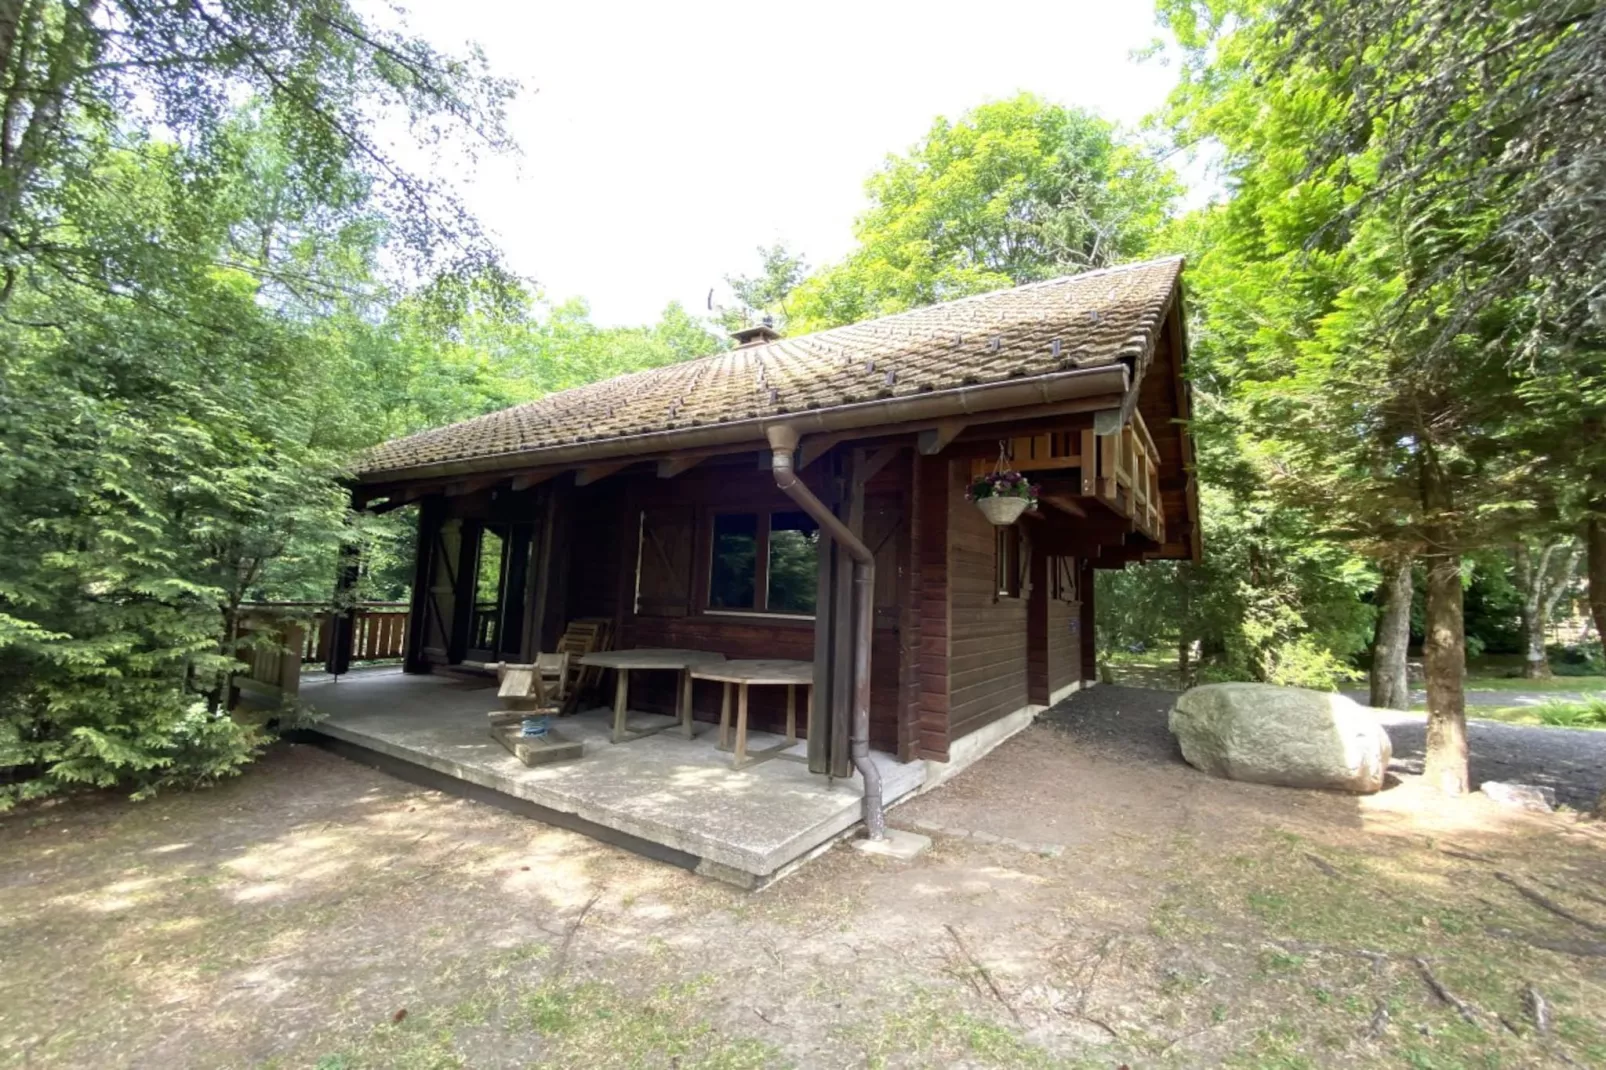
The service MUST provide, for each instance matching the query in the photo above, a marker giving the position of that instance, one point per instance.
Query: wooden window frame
(1062, 579)
(761, 565)
(1009, 563)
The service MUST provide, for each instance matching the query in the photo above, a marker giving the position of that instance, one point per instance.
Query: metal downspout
(783, 442)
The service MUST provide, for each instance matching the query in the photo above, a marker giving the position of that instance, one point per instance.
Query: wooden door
(440, 600)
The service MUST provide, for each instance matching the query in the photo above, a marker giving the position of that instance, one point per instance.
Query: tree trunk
(1391, 673)
(1445, 661)
(1531, 583)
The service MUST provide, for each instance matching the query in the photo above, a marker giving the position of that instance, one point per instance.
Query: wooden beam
(1107, 421)
(1109, 464)
(1064, 504)
(675, 464)
(815, 447)
(1090, 452)
(396, 501)
(593, 472)
(469, 486)
(874, 462)
(934, 440)
(534, 479)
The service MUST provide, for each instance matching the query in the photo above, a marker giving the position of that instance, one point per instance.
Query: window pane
(794, 562)
(735, 564)
(487, 590)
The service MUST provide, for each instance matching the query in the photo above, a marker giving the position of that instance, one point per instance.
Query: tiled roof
(1060, 325)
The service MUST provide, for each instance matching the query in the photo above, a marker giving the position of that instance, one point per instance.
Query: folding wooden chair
(553, 672)
(523, 694)
(580, 638)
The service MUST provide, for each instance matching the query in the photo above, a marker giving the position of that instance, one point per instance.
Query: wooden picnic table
(651, 659)
(743, 674)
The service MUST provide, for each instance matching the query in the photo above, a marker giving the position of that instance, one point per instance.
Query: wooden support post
(725, 718)
(791, 713)
(1109, 464)
(741, 725)
(1090, 453)
(685, 703)
(621, 699)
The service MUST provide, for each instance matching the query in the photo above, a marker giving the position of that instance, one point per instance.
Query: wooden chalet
(656, 501)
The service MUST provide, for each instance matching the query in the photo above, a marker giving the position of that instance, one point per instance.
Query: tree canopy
(1011, 192)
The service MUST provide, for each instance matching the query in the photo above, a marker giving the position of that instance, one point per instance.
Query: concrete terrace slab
(680, 794)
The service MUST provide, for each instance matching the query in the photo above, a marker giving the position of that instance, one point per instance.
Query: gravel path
(1132, 721)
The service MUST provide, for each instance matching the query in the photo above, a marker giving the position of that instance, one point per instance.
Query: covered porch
(666, 796)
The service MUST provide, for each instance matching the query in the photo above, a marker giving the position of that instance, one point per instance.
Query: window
(763, 562)
(794, 561)
(1062, 579)
(732, 575)
(1007, 563)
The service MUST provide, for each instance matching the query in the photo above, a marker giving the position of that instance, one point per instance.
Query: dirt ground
(1087, 902)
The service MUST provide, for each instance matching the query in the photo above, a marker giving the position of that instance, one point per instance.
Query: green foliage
(196, 337)
(1370, 405)
(766, 293)
(1013, 191)
(1589, 713)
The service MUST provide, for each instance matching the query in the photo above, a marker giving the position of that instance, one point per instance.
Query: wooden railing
(1121, 469)
(280, 639)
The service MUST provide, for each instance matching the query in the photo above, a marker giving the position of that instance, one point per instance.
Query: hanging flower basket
(1003, 496)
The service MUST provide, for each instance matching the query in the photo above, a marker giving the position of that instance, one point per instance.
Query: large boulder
(1282, 735)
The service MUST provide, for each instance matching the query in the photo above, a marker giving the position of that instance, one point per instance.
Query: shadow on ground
(1088, 901)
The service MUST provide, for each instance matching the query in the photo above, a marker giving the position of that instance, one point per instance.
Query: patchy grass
(317, 914)
(1480, 682)
(590, 1024)
(1156, 669)
(1590, 713)
(1349, 944)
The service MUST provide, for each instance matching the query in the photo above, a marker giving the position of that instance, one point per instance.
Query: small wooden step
(537, 750)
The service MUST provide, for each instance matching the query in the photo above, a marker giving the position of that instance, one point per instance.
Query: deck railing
(281, 639)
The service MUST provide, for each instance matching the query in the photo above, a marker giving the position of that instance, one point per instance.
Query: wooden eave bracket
(815, 447)
(591, 473)
(469, 486)
(875, 461)
(396, 501)
(933, 440)
(670, 467)
(534, 479)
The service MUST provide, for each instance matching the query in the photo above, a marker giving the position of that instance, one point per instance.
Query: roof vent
(763, 334)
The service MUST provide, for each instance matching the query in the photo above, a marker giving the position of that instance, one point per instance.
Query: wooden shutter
(440, 604)
(663, 575)
(883, 526)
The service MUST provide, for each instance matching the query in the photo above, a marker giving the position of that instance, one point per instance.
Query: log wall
(987, 649)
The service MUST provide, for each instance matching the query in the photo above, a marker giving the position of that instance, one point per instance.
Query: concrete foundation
(968, 750)
(680, 795)
(897, 845)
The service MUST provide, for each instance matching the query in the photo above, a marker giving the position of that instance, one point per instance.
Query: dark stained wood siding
(931, 735)
(1038, 597)
(1090, 662)
(604, 538)
(987, 645)
(1064, 641)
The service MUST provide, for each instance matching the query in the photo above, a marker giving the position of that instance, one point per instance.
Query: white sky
(663, 142)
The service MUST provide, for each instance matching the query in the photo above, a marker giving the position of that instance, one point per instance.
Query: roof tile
(1060, 325)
